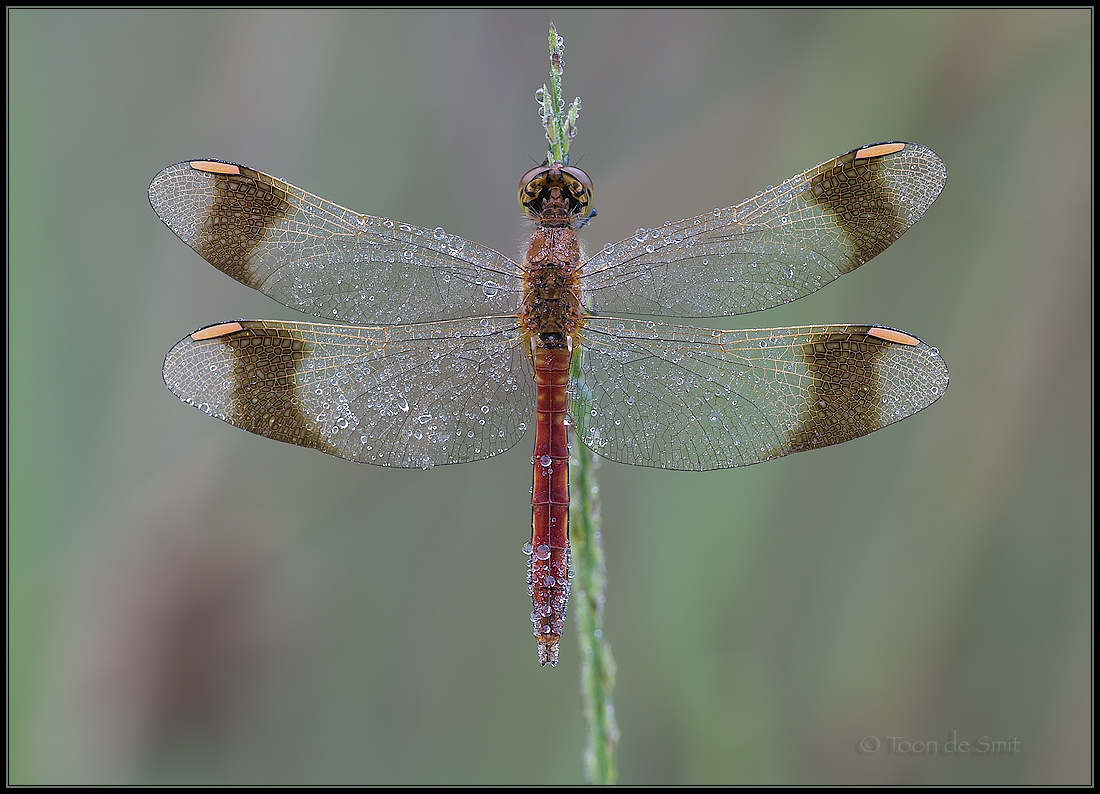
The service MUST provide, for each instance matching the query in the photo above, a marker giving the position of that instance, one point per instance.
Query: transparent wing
(694, 398)
(784, 243)
(317, 257)
(409, 396)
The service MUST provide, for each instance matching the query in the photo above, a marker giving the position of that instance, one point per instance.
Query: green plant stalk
(590, 580)
(560, 128)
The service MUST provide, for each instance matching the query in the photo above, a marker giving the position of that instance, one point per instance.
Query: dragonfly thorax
(552, 306)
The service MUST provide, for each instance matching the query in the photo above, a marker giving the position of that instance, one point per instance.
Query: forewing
(408, 396)
(784, 243)
(317, 257)
(694, 399)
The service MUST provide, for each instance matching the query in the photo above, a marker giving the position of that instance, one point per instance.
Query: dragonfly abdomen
(548, 570)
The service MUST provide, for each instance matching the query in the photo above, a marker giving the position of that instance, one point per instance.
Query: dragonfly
(443, 351)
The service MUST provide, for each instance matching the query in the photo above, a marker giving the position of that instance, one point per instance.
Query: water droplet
(439, 233)
(427, 463)
(491, 288)
(546, 461)
(528, 548)
(542, 552)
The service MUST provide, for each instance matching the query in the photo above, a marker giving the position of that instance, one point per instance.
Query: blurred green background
(190, 603)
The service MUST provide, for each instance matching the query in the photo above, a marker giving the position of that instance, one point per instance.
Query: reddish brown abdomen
(548, 574)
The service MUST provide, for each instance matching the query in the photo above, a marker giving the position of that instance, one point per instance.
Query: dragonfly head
(544, 181)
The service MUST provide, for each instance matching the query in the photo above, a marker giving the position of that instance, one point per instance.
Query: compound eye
(580, 187)
(529, 192)
(581, 177)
